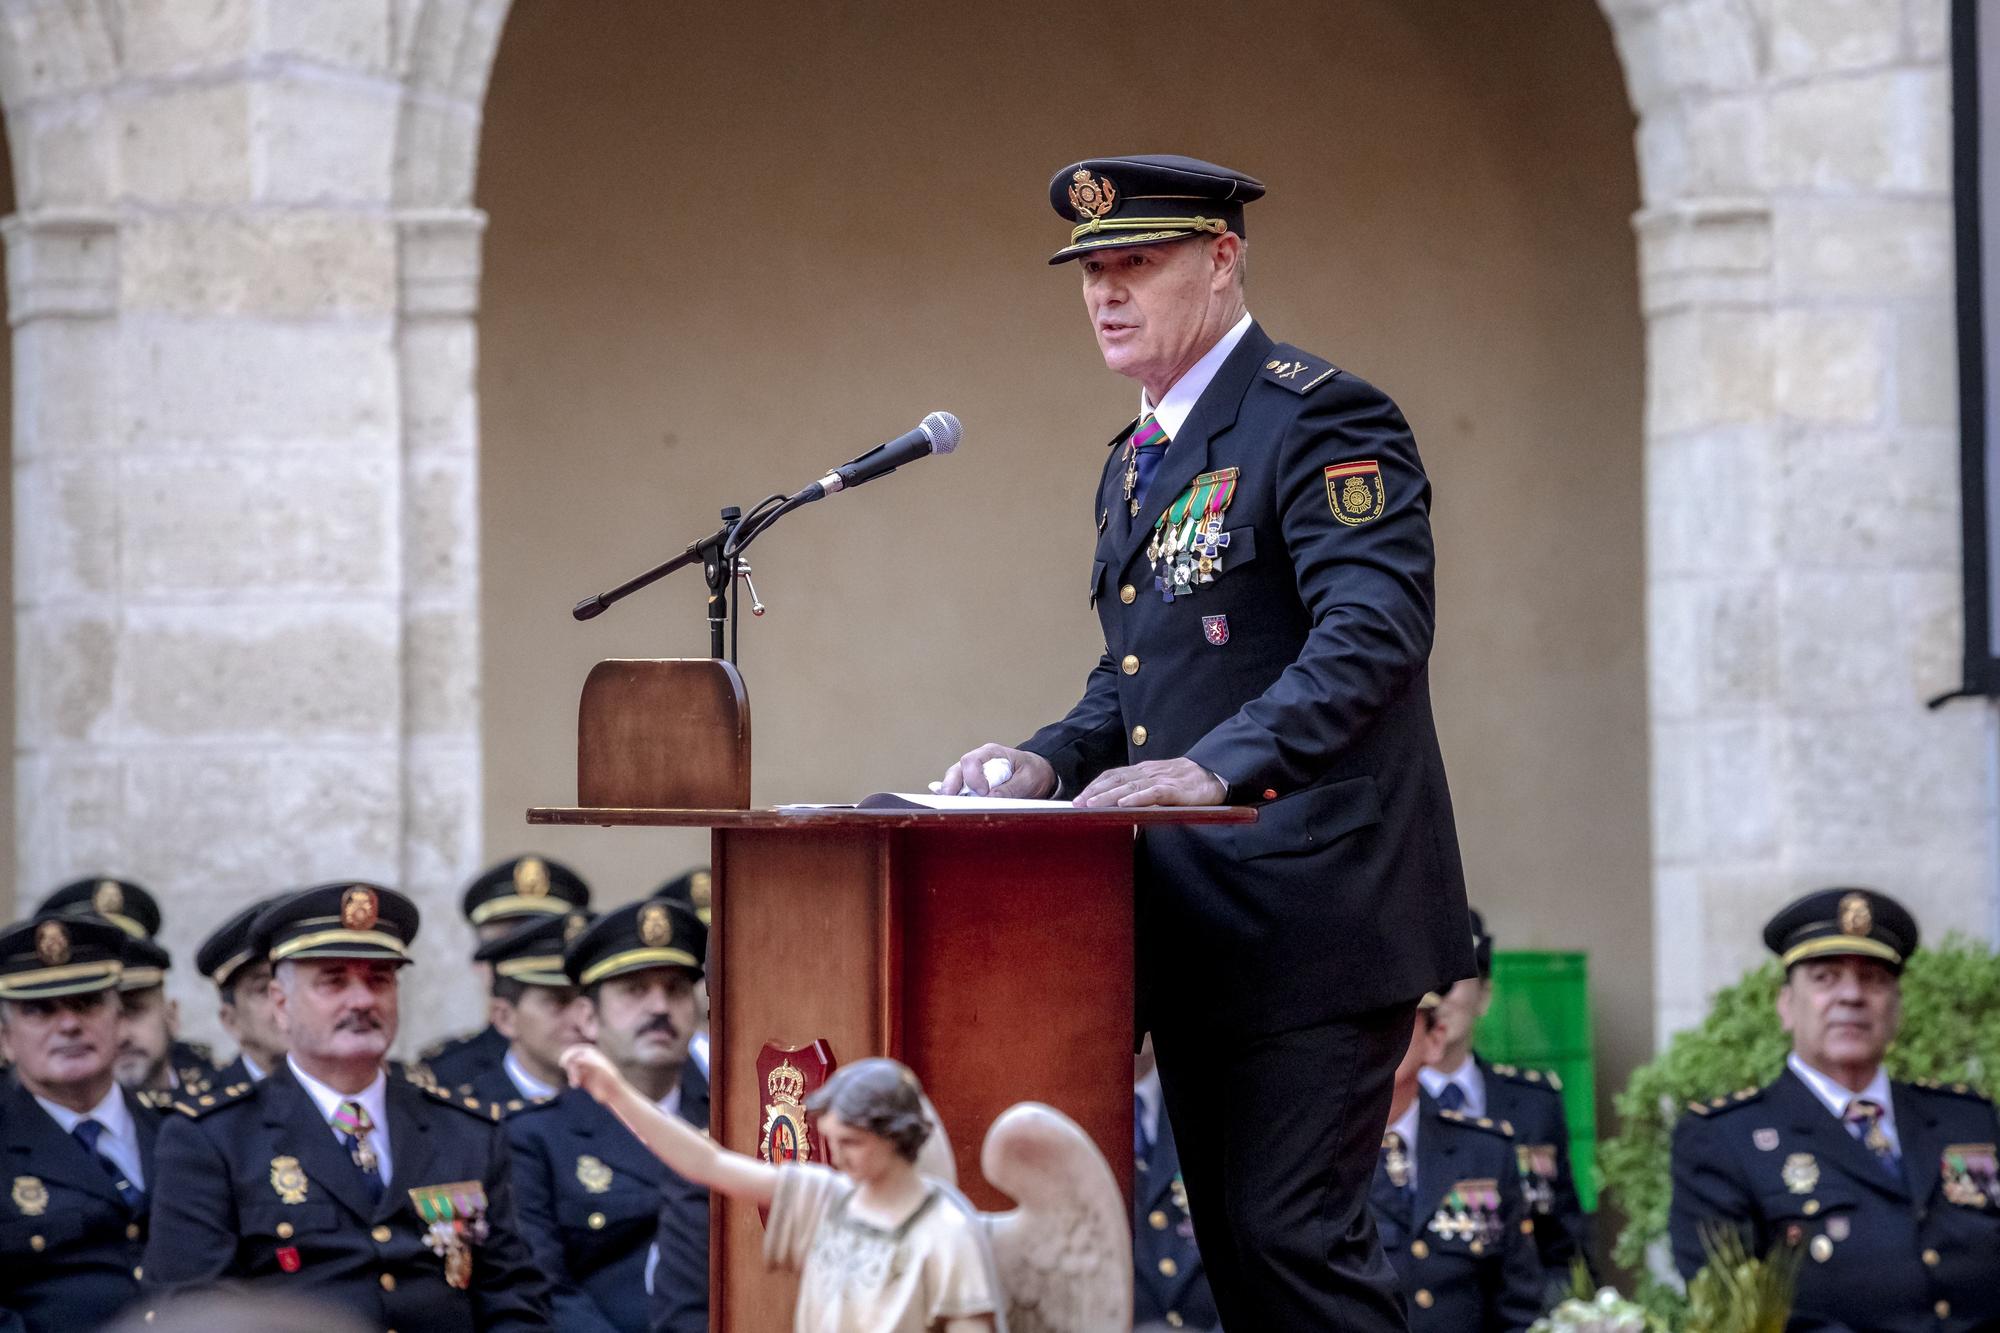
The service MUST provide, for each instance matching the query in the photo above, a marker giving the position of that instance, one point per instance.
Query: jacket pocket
(1241, 548)
(1308, 820)
(287, 1220)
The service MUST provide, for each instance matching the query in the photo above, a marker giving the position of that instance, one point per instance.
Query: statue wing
(1064, 1255)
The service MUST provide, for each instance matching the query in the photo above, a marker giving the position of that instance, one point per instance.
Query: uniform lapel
(1111, 500)
(594, 1131)
(296, 1124)
(146, 1124)
(1832, 1144)
(410, 1145)
(694, 1095)
(1923, 1150)
(1437, 1165)
(1187, 457)
(42, 1149)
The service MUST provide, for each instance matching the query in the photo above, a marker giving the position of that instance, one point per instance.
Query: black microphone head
(942, 430)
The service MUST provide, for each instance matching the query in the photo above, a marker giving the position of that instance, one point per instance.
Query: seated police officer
(589, 1193)
(535, 1006)
(248, 1010)
(501, 897)
(76, 1147)
(329, 1179)
(1530, 1100)
(151, 1055)
(1171, 1290)
(1448, 1206)
(1889, 1188)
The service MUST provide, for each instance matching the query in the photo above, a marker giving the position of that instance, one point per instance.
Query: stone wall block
(441, 794)
(64, 152)
(441, 675)
(169, 37)
(1929, 24)
(64, 678)
(1690, 46)
(1736, 624)
(325, 140)
(441, 536)
(227, 527)
(66, 534)
(1704, 146)
(70, 818)
(1888, 131)
(439, 263)
(284, 674)
(1707, 368)
(279, 264)
(1842, 641)
(65, 389)
(47, 49)
(1831, 365)
(1869, 501)
(1710, 252)
(1811, 37)
(1679, 831)
(1742, 777)
(440, 399)
(1734, 902)
(1708, 503)
(1680, 992)
(1857, 784)
(197, 383)
(1931, 607)
(437, 149)
(1865, 247)
(347, 35)
(1673, 635)
(61, 263)
(1927, 364)
(187, 143)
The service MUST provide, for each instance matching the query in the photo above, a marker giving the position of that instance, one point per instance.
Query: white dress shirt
(1406, 1125)
(256, 1072)
(374, 1100)
(1147, 1090)
(530, 1087)
(120, 1139)
(1837, 1098)
(1173, 409)
(1469, 1080)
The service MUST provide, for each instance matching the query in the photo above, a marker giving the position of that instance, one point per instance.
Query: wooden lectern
(990, 952)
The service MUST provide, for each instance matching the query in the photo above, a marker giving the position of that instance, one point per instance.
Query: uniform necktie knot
(1142, 458)
(1451, 1097)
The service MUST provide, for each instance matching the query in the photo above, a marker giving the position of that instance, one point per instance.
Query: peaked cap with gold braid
(524, 888)
(1843, 922)
(344, 919)
(1148, 199)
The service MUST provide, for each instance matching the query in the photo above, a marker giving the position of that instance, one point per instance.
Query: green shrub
(1950, 1032)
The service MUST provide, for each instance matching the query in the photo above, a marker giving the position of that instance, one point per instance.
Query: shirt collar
(1173, 409)
(530, 1086)
(373, 1098)
(1468, 1078)
(1147, 1090)
(251, 1068)
(1837, 1098)
(111, 1112)
(1406, 1125)
(698, 1051)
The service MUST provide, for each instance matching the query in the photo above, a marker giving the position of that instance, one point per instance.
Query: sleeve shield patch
(1354, 492)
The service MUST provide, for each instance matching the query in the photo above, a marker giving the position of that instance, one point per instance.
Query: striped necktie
(88, 1132)
(1864, 1121)
(351, 1118)
(1148, 447)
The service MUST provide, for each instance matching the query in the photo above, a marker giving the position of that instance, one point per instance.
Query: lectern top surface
(609, 817)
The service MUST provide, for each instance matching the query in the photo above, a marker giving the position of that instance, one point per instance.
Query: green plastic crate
(1540, 1019)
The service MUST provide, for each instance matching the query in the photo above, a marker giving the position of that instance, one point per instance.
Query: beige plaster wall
(724, 255)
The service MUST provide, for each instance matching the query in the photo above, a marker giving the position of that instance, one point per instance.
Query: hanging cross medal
(1212, 541)
(1132, 477)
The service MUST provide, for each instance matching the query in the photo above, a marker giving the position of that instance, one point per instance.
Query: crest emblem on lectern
(789, 1075)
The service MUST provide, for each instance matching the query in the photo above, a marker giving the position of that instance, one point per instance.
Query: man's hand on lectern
(1032, 780)
(1155, 782)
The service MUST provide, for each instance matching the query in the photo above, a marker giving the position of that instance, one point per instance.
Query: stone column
(246, 590)
(1802, 474)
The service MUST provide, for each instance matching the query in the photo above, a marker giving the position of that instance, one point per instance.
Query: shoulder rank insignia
(1301, 372)
(197, 1106)
(156, 1099)
(473, 1106)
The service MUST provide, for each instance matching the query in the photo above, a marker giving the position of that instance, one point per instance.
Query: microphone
(937, 433)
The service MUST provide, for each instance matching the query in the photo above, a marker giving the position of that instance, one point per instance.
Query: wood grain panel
(666, 732)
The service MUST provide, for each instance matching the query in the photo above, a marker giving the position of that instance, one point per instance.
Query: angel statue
(883, 1246)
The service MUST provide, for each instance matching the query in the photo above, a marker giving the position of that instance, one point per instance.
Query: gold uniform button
(1158, 1220)
(1932, 1259)
(37, 1244)
(1168, 1268)
(1174, 1319)
(1821, 1248)
(1138, 735)
(1419, 1250)
(132, 1231)
(596, 1221)
(284, 1231)
(1424, 1299)
(380, 1235)
(1943, 1309)
(139, 1275)
(1812, 1206)
(1130, 666)
(388, 1282)
(1128, 594)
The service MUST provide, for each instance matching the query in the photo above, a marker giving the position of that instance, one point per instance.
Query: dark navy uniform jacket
(589, 1196)
(220, 1213)
(459, 1060)
(70, 1247)
(1489, 1281)
(1300, 675)
(1170, 1285)
(680, 1278)
(1530, 1100)
(1884, 1253)
(496, 1087)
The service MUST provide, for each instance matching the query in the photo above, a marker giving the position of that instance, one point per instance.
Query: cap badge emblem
(1091, 196)
(52, 944)
(531, 877)
(109, 899)
(358, 909)
(592, 1174)
(31, 1196)
(288, 1178)
(655, 930)
(573, 926)
(1801, 1173)
(1855, 916)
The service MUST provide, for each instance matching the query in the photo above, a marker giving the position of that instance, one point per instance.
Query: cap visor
(1121, 240)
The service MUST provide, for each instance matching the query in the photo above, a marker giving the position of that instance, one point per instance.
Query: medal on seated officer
(1530, 1101)
(1889, 1188)
(151, 1056)
(76, 1146)
(501, 897)
(329, 1179)
(1447, 1201)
